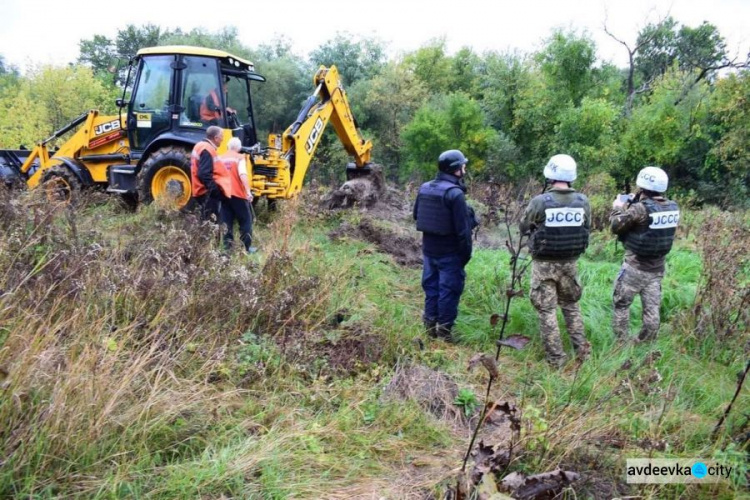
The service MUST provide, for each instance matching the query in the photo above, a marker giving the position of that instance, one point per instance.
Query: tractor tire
(165, 178)
(61, 185)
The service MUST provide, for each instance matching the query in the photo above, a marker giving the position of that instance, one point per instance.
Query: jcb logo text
(314, 135)
(107, 127)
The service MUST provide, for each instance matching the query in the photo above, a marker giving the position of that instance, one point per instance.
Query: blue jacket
(462, 221)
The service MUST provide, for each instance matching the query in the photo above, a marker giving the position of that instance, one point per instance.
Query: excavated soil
(406, 249)
(376, 200)
(342, 351)
(364, 190)
(370, 194)
(356, 350)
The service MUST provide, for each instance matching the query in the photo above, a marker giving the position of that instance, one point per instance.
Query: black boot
(444, 332)
(430, 327)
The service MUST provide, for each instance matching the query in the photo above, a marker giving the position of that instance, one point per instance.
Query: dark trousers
(443, 283)
(208, 206)
(237, 209)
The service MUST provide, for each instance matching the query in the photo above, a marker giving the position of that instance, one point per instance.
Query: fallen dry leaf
(517, 342)
(487, 361)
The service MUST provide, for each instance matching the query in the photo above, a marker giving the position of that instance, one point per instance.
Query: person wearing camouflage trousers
(646, 227)
(558, 223)
(553, 284)
(630, 282)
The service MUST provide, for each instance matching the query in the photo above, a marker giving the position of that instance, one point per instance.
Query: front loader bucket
(365, 187)
(11, 161)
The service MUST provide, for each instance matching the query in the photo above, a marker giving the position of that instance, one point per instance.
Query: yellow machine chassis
(275, 172)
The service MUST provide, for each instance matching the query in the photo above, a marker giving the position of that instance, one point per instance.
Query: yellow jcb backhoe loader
(143, 153)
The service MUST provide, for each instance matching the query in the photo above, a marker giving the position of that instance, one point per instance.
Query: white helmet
(560, 168)
(653, 179)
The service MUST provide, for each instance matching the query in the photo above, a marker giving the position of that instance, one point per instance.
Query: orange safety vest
(231, 161)
(209, 114)
(221, 176)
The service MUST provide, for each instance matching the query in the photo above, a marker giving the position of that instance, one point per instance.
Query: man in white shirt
(238, 206)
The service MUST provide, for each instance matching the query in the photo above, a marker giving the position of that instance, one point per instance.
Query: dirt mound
(370, 194)
(406, 249)
(352, 352)
(434, 391)
(338, 350)
(394, 205)
(364, 191)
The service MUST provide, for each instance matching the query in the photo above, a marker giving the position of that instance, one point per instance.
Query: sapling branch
(740, 382)
(514, 290)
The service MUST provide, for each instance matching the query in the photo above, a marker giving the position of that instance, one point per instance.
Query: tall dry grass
(722, 305)
(116, 339)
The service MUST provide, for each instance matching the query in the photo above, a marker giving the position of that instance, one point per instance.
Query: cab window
(150, 109)
(201, 93)
(237, 99)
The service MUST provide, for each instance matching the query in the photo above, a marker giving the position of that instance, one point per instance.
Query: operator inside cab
(210, 111)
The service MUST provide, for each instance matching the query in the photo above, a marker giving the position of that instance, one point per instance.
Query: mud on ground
(370, 194)
(355, 350)
(405, 248)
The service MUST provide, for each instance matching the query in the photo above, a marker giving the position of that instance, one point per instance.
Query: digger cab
(180, 91)
(177, 93)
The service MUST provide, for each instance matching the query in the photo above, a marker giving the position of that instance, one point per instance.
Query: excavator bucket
(364, 187)
(10, 166)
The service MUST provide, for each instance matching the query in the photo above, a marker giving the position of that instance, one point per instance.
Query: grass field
(138, 361)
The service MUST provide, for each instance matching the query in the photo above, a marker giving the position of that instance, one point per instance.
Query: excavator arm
(98, 150)
(300, 140)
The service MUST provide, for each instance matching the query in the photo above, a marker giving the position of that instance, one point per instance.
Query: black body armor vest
(563, 235)
(655, 238)
(433, 216)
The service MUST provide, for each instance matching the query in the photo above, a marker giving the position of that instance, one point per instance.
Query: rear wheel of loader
(61, 185)
(165, 178)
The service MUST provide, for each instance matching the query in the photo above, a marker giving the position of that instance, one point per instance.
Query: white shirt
(242, 170)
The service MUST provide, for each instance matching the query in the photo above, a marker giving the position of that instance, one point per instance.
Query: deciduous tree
(355, 58)
(454, 121)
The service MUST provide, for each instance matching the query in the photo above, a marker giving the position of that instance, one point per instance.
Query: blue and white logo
(699, 470)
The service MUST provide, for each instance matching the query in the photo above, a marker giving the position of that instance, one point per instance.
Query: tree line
(682, 102)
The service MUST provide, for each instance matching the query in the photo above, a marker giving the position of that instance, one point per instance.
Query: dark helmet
(451, 160)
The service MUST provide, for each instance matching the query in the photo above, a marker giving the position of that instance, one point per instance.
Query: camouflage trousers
(553, 284)
(631, 282)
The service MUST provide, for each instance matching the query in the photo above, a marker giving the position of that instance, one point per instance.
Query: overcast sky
(44, 31)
